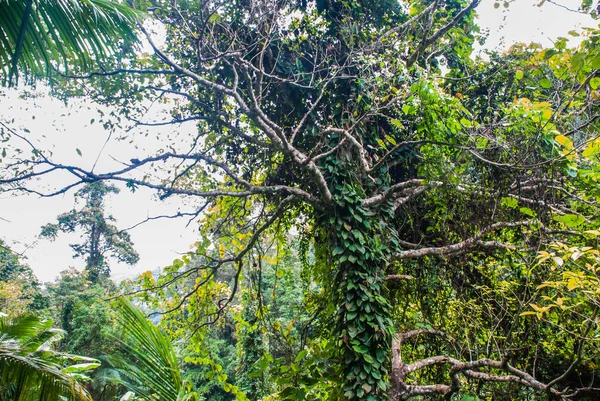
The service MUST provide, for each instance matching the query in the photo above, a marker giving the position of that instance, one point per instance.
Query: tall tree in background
(335, 120)
(78, 299)
(102, 238)
(37, 36)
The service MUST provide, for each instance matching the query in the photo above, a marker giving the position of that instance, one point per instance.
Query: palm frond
(24, 378)
(29, 369)
(147, 364)
(37, 35)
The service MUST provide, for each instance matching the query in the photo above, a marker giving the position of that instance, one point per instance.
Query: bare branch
(396, 277)
(465, 245)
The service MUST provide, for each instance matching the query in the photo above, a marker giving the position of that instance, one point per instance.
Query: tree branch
(463, 246)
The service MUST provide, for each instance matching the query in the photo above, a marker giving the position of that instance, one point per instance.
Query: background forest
(382, 214)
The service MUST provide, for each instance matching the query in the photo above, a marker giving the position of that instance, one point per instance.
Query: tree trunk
(363, 317)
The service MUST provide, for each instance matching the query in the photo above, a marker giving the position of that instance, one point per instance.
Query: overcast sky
(159, 242)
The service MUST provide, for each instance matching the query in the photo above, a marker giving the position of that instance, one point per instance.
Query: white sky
(159, 242)
(524, 21)
(67, 129)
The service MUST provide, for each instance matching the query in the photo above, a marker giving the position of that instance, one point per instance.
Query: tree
(334, 120)
(31, 369)
(37, 35)
(103, 239)
(264, 322)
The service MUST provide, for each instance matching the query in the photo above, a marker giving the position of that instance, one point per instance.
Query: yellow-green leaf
(564, 141)
(397, 123)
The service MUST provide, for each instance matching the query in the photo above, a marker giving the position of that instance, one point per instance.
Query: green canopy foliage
(415, 184)
(20, 290)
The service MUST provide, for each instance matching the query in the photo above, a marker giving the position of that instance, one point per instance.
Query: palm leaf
(37, 35)
(26, 378)
(147, 364)
(29, 369)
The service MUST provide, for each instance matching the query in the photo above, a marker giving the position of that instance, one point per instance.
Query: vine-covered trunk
(94, 262)
(362, 319)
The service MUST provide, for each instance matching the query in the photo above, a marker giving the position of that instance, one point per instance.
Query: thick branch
(463, 246)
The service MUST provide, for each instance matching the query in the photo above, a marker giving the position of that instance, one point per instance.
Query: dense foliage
(31, 369)
(382, 215)
(20, 290)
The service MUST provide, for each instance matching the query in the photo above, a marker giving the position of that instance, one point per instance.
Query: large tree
(102, 239)
(337, 118)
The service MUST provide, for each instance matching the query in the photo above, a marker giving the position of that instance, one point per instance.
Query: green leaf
(509, 202)
(519, 74)
(570, 220)
(150, 352)
(25, 367)
(408, 109)
(545, 83)
(81, 367)
(527, 211)
(78, 151)
(595, 83)
(361, 349)
(300, 356)
(549, 53)
(338, 250)
(36, 36)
